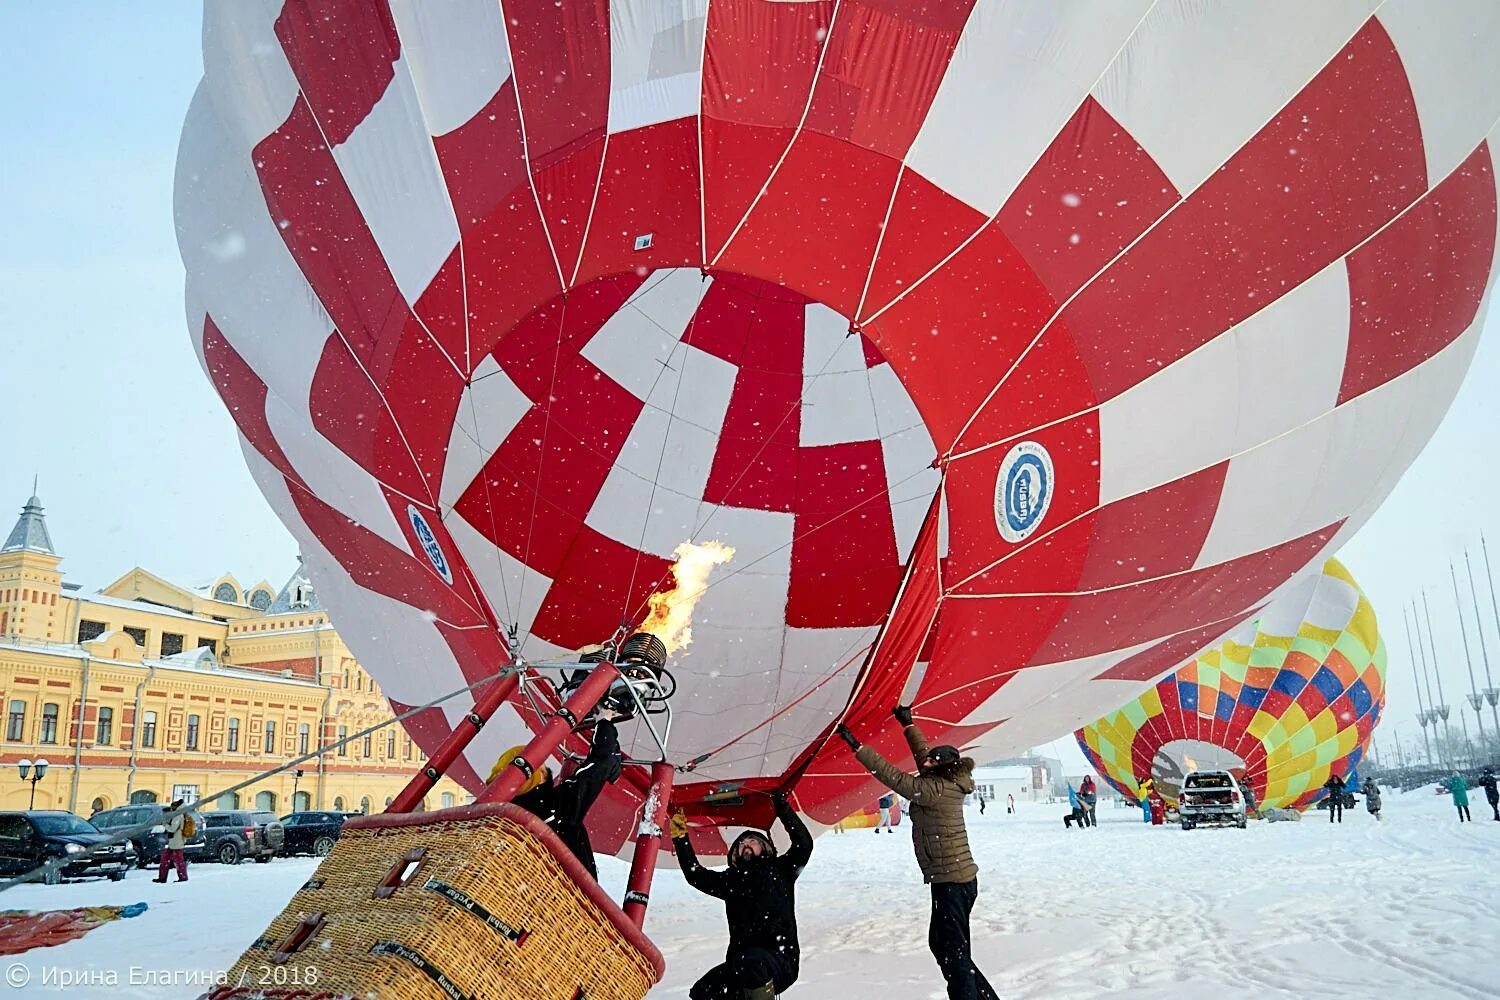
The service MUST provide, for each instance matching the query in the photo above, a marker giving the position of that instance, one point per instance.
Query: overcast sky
(103, 399)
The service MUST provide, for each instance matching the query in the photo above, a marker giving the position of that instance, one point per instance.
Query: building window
(447, 800)
(192, 732)
(138, 634)
(303, 737)
(225, 592)
(171, 644)
(408, 748)
(261, 599)
(343, 735)
(104, 728)
(301, 802)
(364, 805)
(338, 803)
(270, 746)
(89, 631)
(212, 645)
(148, 730)
(15, 726)
(390, 746)
(359, 682)
(187, 793)
(369, 746)
(99, 804)
(49, 723)
(232, 737)
(265, 801)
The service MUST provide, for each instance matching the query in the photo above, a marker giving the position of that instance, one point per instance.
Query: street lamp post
(37, 770)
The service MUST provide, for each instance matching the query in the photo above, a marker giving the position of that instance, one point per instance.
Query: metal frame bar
(648, 842)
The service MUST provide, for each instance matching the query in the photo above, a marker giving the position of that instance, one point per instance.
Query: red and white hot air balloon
(1017, 350)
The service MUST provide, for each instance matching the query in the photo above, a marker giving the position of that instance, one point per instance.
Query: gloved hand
(779, 800)
(902, 714)
(679, 825)
(847, 735)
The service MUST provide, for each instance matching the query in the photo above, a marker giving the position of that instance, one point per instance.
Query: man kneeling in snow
(759, 899)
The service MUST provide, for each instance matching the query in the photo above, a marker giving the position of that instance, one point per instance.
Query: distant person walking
(1487, 782)
(1335, 786)
(1459, 789)
(1372, 797)
(1088, 797)
(172, 854)
(887, 803)
(981, 805)
(1010, 802)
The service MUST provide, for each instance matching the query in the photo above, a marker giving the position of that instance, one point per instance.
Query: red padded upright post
(437, 765)
(545, 743)
(648, 843)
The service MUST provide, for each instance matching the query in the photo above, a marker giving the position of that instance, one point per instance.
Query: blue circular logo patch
(1023, 491)
(429, 543)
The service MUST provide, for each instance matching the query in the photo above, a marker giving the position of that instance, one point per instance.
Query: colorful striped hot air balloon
(1285, 701)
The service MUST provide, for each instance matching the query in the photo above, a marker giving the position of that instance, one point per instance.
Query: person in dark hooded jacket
(941, 840)
(758, 890)
(564, 805)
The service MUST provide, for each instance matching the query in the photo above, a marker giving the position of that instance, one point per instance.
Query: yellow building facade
(148, 691)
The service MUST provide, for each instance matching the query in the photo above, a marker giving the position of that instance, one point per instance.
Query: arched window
(192, 732)
(303, 737)
(142, 796)
(364, 805)
(338, 803)
(15, 726)
(447, 800)
(265, 801)
(148, 731)
(225, 592)
(388, 801)
(232, 737)
(261, 599)
(104, 727)
(99, 804)
(301, 802)
(49, 722)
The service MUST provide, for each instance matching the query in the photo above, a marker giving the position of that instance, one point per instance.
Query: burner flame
(671, 615)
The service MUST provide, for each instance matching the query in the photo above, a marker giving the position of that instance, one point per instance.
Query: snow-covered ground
(1408, 907)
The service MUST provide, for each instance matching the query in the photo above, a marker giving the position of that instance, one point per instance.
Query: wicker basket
(479, 902)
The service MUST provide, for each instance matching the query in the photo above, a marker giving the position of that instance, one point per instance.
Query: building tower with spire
(30, 581)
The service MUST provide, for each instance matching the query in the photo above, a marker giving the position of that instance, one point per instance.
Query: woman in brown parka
(941, 840)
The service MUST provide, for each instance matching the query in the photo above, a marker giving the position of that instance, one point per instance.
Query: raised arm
(705, 880)
(800, 851)
(888, 774)
(917, 740)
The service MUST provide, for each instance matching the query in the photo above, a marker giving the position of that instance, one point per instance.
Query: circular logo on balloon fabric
(1024, 490)
(429, 544)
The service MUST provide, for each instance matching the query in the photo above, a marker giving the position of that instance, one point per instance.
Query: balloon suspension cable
(511, 671)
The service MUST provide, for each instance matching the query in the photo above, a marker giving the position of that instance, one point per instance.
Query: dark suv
(28, 839)
(149, 845)
(312, 832)
(242, 833)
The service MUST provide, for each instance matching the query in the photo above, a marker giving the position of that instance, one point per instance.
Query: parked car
(1210, 797)
(28, 839)
(312, 832)
(242, 833)
(149, 845)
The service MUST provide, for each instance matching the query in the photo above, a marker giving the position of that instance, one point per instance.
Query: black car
(29, 839)
(149, 844)
(242, 833)
(312, 832)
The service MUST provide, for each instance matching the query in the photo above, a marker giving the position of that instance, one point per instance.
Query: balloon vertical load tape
(475, 901)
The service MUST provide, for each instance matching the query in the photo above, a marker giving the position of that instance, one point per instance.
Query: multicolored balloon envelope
(1289, 699)
(1017, 350)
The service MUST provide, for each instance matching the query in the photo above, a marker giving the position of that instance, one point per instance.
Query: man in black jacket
(760, 903)
(1335, 786)
(564, 805)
